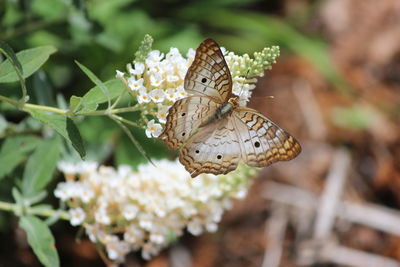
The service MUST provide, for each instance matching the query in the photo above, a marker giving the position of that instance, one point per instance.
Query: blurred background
(336, 88)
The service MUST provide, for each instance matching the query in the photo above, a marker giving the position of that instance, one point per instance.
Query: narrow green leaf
(96, 81)
(40, 167)
(41, 240)
(94, 96)
(14, 151)
(75, 137)
(30, 59)
(7, 50)
(75, 103)
(64, 126)
(15, 67)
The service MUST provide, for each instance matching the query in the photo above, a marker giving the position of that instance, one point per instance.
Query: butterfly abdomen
(221, 112)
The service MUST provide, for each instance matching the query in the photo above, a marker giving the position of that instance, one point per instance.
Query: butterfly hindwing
(215, 149)
(209, 74)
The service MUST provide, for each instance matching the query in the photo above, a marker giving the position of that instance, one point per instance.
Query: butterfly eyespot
(203, 80)
(219, 157)
(197, 152)
(183, 114)
(183, 134)
(257, 144)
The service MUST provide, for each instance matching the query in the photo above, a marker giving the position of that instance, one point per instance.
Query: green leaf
(75, 137)
(14, 151)
(75, 103)
(96, 81)
(95, 96)
(40, 167)
(64, 126)
(30, 59)
(7, 50)
(41, 240)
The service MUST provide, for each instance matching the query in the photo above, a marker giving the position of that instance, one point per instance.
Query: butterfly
(212, 132)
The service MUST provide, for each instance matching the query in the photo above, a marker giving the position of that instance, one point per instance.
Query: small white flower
(224, 51)
(62, 192)
(146, 221)
(155, 55)
(212, 227)
(119, 74)
(180, 92)
(172, 78)
(116, 249)
(133, 234)
(139, 69)
(170, 94)
(157, 238)
(134, 84)
(241, 193)
(153, 129)
(102, 217)
(143, 97)
(67, 190)
(173, 53)
(156, 79)
(195, 227)
(86, 194)
(153, 59)
(129, 211)
(191, 53)
(157, 95)
(162, 113)
(77, 216)
(149, 249)
(67, 167)
(94, 232)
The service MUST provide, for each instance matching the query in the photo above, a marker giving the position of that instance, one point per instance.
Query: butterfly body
(212, 131)
(223, 110)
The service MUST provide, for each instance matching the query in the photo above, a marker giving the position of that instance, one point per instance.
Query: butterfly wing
(185, 117)
(262, 142)
(209, 74)
(215, 149)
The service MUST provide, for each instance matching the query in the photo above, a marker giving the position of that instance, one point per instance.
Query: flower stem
(15, 208)
(26, 107)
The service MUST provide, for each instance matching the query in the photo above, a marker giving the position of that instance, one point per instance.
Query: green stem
(120, 121)
(118, 118)
(44, 213)
(118, 99)
(113, 111)
(26, 107)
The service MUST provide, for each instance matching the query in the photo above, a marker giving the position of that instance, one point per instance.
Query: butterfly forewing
(262, 141)
(209, 74)
(184, 117)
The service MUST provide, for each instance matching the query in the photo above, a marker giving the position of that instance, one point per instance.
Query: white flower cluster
(130, 210)
(158, 81)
